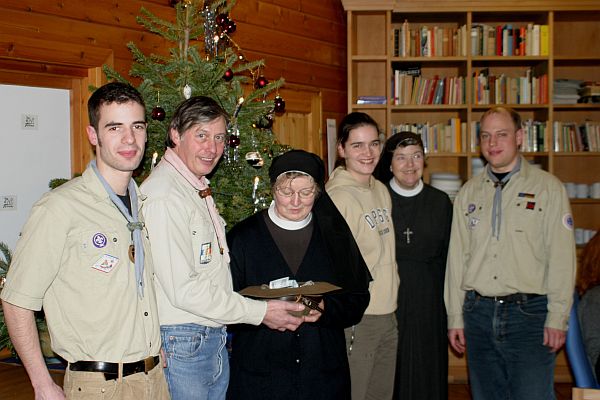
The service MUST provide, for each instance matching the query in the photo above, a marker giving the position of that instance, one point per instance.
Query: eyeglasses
(302, 193)
(409, 141)
(403, 158)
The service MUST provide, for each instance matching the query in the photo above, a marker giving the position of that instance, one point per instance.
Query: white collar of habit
(406, 192)
(286, 224)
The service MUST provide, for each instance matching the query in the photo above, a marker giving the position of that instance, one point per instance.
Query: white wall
(30, 157)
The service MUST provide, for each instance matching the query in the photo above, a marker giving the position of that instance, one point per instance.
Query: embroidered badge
(473, 222)
(568, 221)
(527, 195)
(106, 263)
(471, 208)
(530, 205)
(205, 253)
(99, 240)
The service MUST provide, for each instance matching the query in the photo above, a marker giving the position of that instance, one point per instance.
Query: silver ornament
(187, 91)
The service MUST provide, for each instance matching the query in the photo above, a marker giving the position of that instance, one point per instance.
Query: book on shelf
(544, 40)
(535, 42)
(534, 136)
(509, 40)
(438, 137)
(502, 89)
(428, 41)
(371, 100)
(571, 136)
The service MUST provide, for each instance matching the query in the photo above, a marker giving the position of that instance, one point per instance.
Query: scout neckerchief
(133, 224)
(497, 207)
(205, 193)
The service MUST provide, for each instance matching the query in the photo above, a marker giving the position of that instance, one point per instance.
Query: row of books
(573, 136)
(451, 137)
(502, 89)
(418, 90)
(506, 40)
(426, 41)
(447, 137)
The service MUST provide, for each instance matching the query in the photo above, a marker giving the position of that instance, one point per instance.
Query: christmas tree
(206, 61)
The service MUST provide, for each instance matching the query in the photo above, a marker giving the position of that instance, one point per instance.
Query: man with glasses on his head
(194, 292)
(511, 269)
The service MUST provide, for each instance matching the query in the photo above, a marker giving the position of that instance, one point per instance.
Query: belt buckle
(149, 364)
(499, 299)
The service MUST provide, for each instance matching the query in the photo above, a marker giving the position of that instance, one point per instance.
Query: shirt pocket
(103, 259)
(525, 215)
(204, 242)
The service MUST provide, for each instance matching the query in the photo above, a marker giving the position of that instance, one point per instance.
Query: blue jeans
(505, 354)
(197, 361)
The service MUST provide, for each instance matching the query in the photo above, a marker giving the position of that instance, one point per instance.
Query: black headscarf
(349, 267)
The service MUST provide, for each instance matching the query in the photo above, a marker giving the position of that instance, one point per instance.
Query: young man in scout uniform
(511, 269)
(82, 257)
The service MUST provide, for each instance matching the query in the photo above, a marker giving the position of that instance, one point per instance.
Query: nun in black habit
(302, 236)
(422, 216)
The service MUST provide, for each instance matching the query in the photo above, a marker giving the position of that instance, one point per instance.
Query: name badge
(205, 253)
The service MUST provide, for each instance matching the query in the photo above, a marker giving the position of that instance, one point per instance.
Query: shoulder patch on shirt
(106, 263)
(568, 221)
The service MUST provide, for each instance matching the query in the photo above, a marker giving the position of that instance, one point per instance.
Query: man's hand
(24, 336)
(278, 315)
(49, 392)
(457, 340)
(554, 338)
(314, 315)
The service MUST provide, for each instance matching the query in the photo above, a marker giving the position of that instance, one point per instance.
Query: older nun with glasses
(304, 237)
(422, 217)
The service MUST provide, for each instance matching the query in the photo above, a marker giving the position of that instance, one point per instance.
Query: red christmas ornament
(265, 122)
(230, 27)
(279, 104)
(228, 75)
(158, 113)
(222, 20)
(261, 82)
(234, 141)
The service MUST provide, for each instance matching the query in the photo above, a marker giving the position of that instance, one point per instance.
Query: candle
(154, 157)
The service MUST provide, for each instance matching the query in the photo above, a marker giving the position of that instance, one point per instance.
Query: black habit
(422, 229)
(310, 363)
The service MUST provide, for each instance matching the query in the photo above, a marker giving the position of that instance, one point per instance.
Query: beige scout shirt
(535, 252)
(194, 283)
(72, 259)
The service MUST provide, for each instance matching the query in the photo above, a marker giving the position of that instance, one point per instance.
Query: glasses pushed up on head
(306, 193)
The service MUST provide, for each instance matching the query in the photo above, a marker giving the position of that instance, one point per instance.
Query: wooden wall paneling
(103, 12)
(329, 9)
(301, 72)
(266, 41)
(49, 28)
(278, 17)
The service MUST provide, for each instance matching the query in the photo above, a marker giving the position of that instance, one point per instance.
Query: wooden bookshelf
(573, 29)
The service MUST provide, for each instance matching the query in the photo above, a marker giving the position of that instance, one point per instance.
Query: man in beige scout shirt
(511, 269)
(81, 256)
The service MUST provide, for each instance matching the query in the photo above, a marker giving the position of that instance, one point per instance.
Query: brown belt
(111, 370)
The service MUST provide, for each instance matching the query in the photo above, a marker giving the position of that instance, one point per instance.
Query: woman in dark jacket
(304, 237)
